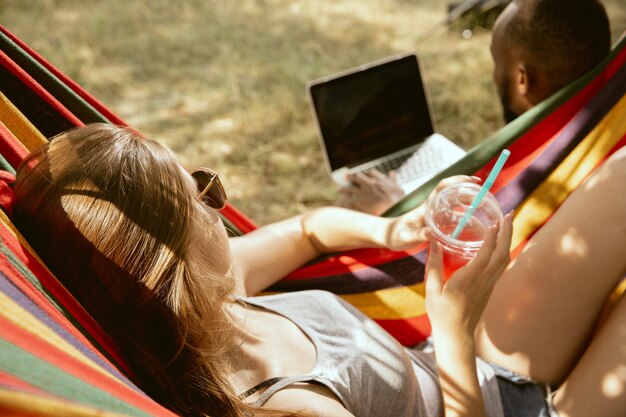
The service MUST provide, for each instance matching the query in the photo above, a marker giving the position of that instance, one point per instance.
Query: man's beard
(505, 100)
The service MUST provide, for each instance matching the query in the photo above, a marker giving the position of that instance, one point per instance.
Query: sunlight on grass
(222, 82)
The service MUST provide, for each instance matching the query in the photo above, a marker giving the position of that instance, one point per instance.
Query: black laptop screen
(371, 113)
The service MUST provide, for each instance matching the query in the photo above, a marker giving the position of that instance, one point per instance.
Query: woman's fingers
(503, 249)
(408, 230)
(484, 256)
(494, 255)
(502, 252)
(507, 231)
(434, 269)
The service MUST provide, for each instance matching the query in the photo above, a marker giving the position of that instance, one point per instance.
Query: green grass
(222, 82)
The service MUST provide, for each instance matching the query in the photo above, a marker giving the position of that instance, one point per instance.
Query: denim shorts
(522, 397)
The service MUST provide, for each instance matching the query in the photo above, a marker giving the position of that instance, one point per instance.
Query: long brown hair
(109, 212)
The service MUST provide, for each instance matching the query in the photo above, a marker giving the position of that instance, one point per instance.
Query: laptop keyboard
(411, 165)
(393, 164)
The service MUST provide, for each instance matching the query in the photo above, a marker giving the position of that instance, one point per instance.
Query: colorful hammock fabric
(56, 360)
(554, 147)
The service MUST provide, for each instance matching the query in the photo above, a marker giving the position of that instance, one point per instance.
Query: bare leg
(544, 307)
(597, 386)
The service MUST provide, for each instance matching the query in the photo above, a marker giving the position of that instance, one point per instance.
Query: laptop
(378, 116)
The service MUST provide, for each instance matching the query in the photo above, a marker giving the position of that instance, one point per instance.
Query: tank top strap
(260, 386)
(273, 385)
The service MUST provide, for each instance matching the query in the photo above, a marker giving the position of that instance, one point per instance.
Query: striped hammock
(55, 360)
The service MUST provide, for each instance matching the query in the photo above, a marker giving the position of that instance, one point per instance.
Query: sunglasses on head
(210, 189)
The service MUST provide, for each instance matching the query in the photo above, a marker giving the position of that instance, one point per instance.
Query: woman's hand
(455, 306)
(409, 230)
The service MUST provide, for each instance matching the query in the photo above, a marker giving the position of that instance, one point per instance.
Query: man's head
(539, 46)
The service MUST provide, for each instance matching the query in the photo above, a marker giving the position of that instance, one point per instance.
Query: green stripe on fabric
(32, 278)
(53, 380)
(479, 155)
(83, 110)
(5, 166)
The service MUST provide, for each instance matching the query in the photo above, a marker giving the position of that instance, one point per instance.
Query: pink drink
(446, 209)
(454, 258)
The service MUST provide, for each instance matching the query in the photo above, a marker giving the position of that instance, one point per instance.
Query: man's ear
(525, 79)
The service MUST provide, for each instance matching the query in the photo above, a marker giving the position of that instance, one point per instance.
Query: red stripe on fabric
(351, 261)
(6, 191)
(95, 103)
(514, 168)
(38, 89)
(60, 359)
(11, 148)
(536, 138)
(620, 144)
(410, 331)
(60, 294)
(241, 221)
(11, 381)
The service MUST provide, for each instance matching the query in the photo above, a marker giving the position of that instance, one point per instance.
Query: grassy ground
(222, 82)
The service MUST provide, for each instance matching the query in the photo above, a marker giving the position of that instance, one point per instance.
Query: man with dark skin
(538, 47)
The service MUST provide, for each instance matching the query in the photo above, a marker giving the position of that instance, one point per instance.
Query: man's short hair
(562, 38)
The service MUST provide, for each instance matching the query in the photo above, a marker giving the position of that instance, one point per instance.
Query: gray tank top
(366, 368)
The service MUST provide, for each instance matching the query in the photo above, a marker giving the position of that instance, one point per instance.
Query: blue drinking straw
(483, 191)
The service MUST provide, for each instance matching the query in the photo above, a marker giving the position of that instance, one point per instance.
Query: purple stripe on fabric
(27, 304)
(399, 273)
(574, 132)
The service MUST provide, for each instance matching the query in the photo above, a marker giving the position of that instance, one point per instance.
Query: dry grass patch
(222, 82)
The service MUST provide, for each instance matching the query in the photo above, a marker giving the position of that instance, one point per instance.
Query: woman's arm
(262, 257)
(454, 309)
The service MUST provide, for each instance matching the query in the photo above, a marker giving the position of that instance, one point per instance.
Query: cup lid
(446, 209)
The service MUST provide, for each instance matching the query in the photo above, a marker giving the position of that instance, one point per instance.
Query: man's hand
(370, 192)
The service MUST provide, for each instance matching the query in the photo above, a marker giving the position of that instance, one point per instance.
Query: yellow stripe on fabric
(619, 291)
(19, 143)
(15, 403)
(386, 304)
(540, 205)
(19, 125)
(29, 323)
(9, 224)
(390, 304)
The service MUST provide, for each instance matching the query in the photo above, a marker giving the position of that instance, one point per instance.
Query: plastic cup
(444, 212)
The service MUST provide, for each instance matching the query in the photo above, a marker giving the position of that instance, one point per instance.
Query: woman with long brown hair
(139, 243)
